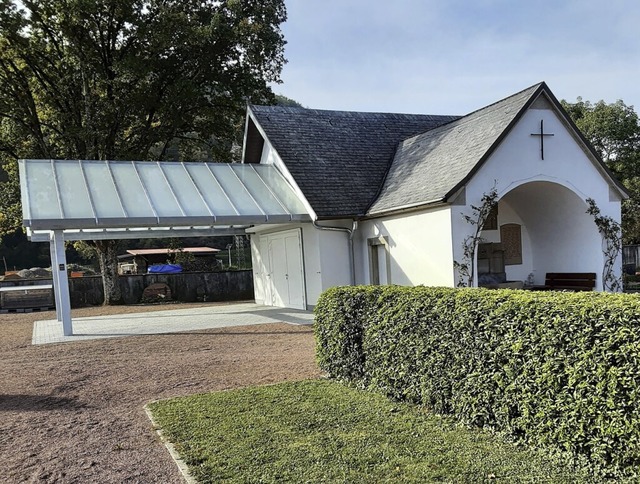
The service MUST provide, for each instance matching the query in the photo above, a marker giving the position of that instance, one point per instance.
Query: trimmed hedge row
(549, 368)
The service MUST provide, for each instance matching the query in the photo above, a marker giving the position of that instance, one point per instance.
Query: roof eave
(407, 208)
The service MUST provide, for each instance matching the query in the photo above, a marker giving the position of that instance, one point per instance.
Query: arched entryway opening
(542, 227)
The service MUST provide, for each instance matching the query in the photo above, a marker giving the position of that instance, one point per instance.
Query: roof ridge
(342, 111)
(314, 110)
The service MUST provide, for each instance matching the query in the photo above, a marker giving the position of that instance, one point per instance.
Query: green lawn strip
(322, 431)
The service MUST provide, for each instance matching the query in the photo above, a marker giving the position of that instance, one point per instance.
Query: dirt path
(72, 412)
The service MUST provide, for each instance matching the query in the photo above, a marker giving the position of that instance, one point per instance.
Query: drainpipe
(350, 232)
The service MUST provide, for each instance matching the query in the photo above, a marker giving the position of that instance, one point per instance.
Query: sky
(455, 56)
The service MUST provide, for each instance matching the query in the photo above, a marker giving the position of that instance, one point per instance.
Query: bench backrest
(24, 297)
(574, 281)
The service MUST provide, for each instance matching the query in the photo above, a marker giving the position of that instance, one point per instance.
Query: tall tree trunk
(107, 251)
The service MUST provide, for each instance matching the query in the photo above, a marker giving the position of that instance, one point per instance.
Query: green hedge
(550, 368)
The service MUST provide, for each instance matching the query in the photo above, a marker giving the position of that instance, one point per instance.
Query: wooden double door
(284, 281)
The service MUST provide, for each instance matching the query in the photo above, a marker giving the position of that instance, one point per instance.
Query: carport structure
(68, 200)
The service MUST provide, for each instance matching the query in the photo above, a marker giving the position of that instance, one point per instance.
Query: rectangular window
(379, 261)
(491, 223)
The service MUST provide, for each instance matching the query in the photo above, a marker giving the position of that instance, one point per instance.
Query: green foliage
(10, 209)
(614, 131)
(130, 79)
(287, 102)
(549, 368)
(611, 246)
(339, 341)
(177, 255)
(321, 431)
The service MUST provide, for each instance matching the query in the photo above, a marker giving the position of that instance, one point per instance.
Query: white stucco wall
(312, 263)
(420, 247)
(334, 256)
(310, 240)
(258, 264)
(547, 196)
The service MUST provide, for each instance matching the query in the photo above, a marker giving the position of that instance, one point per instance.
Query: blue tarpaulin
(164, 269)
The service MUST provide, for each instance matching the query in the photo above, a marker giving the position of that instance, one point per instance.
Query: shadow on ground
(36, 403)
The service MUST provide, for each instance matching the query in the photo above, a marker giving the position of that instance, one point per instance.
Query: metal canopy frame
(67, 200)
(84, 194)
(139, 233)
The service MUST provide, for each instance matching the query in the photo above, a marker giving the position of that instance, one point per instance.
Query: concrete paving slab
(169, 321)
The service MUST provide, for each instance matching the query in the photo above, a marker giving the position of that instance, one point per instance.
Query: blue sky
(455, 56)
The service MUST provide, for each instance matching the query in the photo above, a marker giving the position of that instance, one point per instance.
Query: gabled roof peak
(528, 91)
(344, 161)
(338, 158)
(429, 167)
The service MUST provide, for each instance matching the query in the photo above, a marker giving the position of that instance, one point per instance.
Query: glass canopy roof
(86, 194)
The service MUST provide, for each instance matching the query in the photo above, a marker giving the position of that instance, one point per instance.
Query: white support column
(59, 271)
(56, 292)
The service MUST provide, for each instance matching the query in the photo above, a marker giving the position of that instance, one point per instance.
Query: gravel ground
(73, 412)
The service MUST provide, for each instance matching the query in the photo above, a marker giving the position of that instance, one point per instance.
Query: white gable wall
(552, 214)
(419, 247)
(326, 253)
(310, 240)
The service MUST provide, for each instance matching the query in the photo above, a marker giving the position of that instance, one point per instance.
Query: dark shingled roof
(429, 166)
(339, 159)
(352, 164)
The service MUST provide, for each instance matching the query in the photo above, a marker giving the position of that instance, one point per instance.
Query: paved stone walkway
(168, 321)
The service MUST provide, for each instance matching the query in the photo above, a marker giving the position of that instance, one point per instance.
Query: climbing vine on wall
(611, 245)
(478, 218)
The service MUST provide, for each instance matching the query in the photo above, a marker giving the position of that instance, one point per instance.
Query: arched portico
(555, 232)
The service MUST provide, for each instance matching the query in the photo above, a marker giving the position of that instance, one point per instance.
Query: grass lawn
(322, 431)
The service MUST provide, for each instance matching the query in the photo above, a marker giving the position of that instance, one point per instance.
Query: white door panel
(294, 271)
(284, 276)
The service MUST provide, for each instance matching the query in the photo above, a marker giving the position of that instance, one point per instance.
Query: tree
(285, 101)
(129, 79)
(614, 131)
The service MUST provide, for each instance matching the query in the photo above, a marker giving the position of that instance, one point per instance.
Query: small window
(492, 219)
(379, 261)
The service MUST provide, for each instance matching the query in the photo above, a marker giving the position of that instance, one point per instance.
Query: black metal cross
(542, 134)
